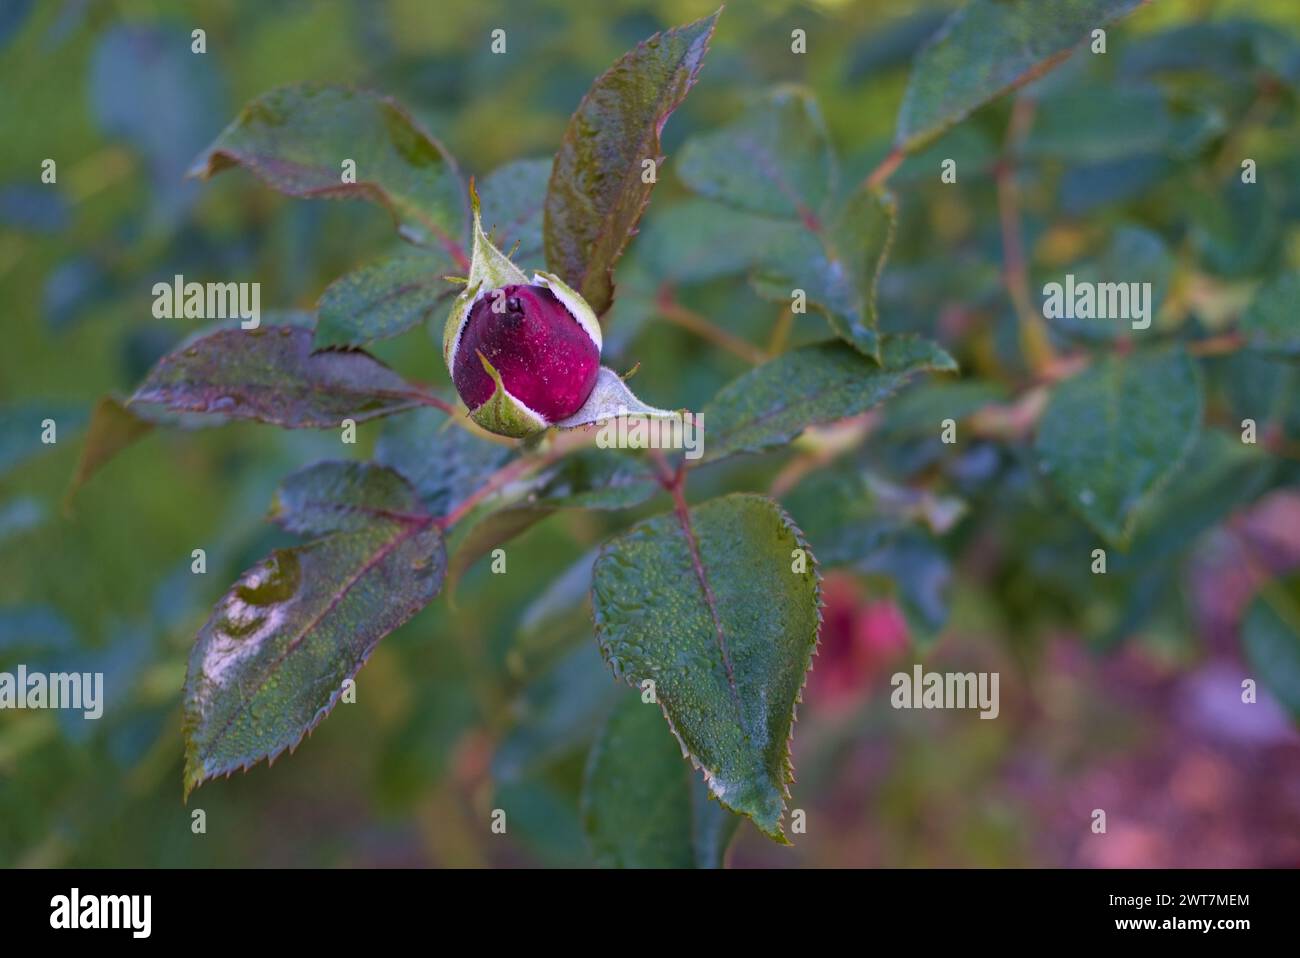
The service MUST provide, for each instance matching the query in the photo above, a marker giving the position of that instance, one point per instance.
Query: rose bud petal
(544, 357)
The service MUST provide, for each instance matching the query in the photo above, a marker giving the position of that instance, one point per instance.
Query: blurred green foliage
(492, 701)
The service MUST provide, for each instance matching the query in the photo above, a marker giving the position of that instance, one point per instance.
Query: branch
(877, 178)
(428, 398)
(701, 326)
(780, 337)
(560, 446)
(1217, 345)
(1015, 273)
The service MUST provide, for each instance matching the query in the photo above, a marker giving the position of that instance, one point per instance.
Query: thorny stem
(673, 482)
(688, 319)
(885, 169)
(1217, 345)
(457, 415)
(427, 398)
(780, 332)
(447, 242)
(560, 447)
(503, 476)
(667, 477)
(1015, 273)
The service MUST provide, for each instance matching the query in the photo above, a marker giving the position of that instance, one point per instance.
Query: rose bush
(1068, 436)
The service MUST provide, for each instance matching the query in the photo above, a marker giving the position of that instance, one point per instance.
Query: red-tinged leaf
(297, 138)
(344, 496)
(271, 375)
(271, 661)
(597, 193)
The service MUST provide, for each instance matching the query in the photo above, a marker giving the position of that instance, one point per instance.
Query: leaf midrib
(697, 561)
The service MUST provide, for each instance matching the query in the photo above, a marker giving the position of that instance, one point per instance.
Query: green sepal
(503, 414)
(489, 269)
(572, 300)
(610, 397)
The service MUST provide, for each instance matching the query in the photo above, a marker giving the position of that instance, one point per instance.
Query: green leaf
(271, 375)
(1270, 636)
(855, 517)
(841, 280)
(1085, 189)
(1113, 435)
(893, 45)
(975, 152)
(597, 193)
(987, 48)
(699, 240)
(705, 603)
(344, 496)
(1132, 253)
(642, 806)
(297, 138)
(772, 403)
(1097, 124)
(443, 462)
(1236, 231)
(1232, 51)
(513, 199)
(1263, 388)
(271, 660)
(112, 428)
(591, 479)
(776, 159)
(557, 618)
(555, 715)
(383, 299)
(848, 512)
(1221, 474)
(919, 575)
(915, 413)
(1272, 321)
(544, 822)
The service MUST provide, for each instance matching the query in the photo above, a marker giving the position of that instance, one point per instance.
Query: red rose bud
(544, 357)
(523, 352)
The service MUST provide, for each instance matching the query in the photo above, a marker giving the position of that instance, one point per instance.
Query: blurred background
(1123, 696)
